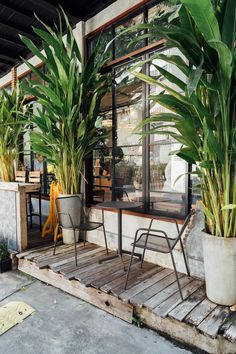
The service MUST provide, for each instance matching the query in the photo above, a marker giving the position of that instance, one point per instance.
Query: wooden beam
(12, 41)
(17, 28)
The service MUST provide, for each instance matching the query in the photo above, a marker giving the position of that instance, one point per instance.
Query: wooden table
(119, 206)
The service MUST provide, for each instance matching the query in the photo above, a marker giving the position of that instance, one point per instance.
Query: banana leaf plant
(13, 123)
(202, 114)
(70, 94)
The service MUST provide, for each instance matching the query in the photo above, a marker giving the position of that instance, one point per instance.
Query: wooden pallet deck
(152, 295)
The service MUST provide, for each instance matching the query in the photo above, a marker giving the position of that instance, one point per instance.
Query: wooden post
(13, 78)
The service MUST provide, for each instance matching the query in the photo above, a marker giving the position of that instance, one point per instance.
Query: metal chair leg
(185, 258)
(144, 250)
(129, 268)
(40, 212)
(76, 263)
(105, 238)
(176, 274)
(30, 207)
(85, 236)
(56, 239)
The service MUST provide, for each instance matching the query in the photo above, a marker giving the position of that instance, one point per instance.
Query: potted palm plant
(5, 261)
(13, 122)
(201, 116)
(70, 94)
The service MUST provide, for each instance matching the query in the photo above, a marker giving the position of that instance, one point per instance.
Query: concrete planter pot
(72, 207)
(220, 268)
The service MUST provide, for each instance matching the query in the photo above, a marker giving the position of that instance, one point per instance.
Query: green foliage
(203, 116)
(67, 131)
(13, 122)
(3, 251)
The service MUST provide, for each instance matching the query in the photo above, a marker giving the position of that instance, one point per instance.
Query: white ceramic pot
(71, 206)
(220, 268)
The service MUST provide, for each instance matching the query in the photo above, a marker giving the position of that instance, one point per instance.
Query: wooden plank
(49, 260)
(13, 313)
(136, 271)
(147, 293)
(93, 296)
(81, 256)
(117, 275)
(138, 275)
(164, 294)
(228, 329)
(183, 309)
(101, 270)
(97, 283)
(166, 306)
(63, 250)
(32, 250)
(197, 315)
(211, 324)
(34, 256)
(151, 277)
(92, 261)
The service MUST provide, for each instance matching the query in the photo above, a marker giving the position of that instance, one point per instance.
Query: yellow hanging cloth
(51, 226)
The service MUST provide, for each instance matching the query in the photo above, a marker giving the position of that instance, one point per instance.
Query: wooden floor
(152, 296)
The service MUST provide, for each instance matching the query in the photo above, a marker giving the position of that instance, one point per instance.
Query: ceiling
(17, 17)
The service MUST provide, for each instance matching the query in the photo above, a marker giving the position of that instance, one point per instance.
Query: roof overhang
(18, 17)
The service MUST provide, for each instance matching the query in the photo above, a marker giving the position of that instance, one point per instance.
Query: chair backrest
(34, 177)
(20, 176)
(69, 210)
(183, 228)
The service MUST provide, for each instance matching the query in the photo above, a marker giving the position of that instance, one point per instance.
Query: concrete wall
(9, 211)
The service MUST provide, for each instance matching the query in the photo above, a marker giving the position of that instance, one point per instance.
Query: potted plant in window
(71, 92)
(202, 119)
(5, 261)
(13, 122)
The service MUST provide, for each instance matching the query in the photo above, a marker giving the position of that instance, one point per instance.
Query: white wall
(112, 11)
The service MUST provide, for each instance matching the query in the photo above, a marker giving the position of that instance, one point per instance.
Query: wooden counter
(13, 217)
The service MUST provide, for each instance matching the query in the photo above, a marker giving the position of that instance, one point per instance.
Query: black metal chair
(158, 241)
(65, 220)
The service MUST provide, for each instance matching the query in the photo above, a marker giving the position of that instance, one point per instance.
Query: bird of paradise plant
(13, 122)
(67, 126)
(202, 114)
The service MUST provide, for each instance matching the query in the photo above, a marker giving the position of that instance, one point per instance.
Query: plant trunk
(7, 168)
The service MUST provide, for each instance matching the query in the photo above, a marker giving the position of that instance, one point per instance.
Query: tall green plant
(203, 117)
(13, 122)
(67, 131)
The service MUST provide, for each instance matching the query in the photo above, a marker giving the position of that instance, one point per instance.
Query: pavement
(63, 324)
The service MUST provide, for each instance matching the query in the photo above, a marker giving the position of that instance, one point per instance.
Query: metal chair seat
(90, 225)
(154, 244)
(158, 241)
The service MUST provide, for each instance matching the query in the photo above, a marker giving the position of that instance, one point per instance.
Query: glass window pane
(102, 167)
(128, 100)
(153, 14)
(104, 38)
(123, 44)
(127, 119)
(106, 102)
(128, 173)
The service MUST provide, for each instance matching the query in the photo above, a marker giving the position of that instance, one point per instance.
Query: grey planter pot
(220, 268)
(72, 207)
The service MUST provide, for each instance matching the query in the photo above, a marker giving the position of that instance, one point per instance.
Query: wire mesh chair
(65, 220)
(158, 241)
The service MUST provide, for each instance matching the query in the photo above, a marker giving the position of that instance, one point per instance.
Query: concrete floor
(63, 324)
